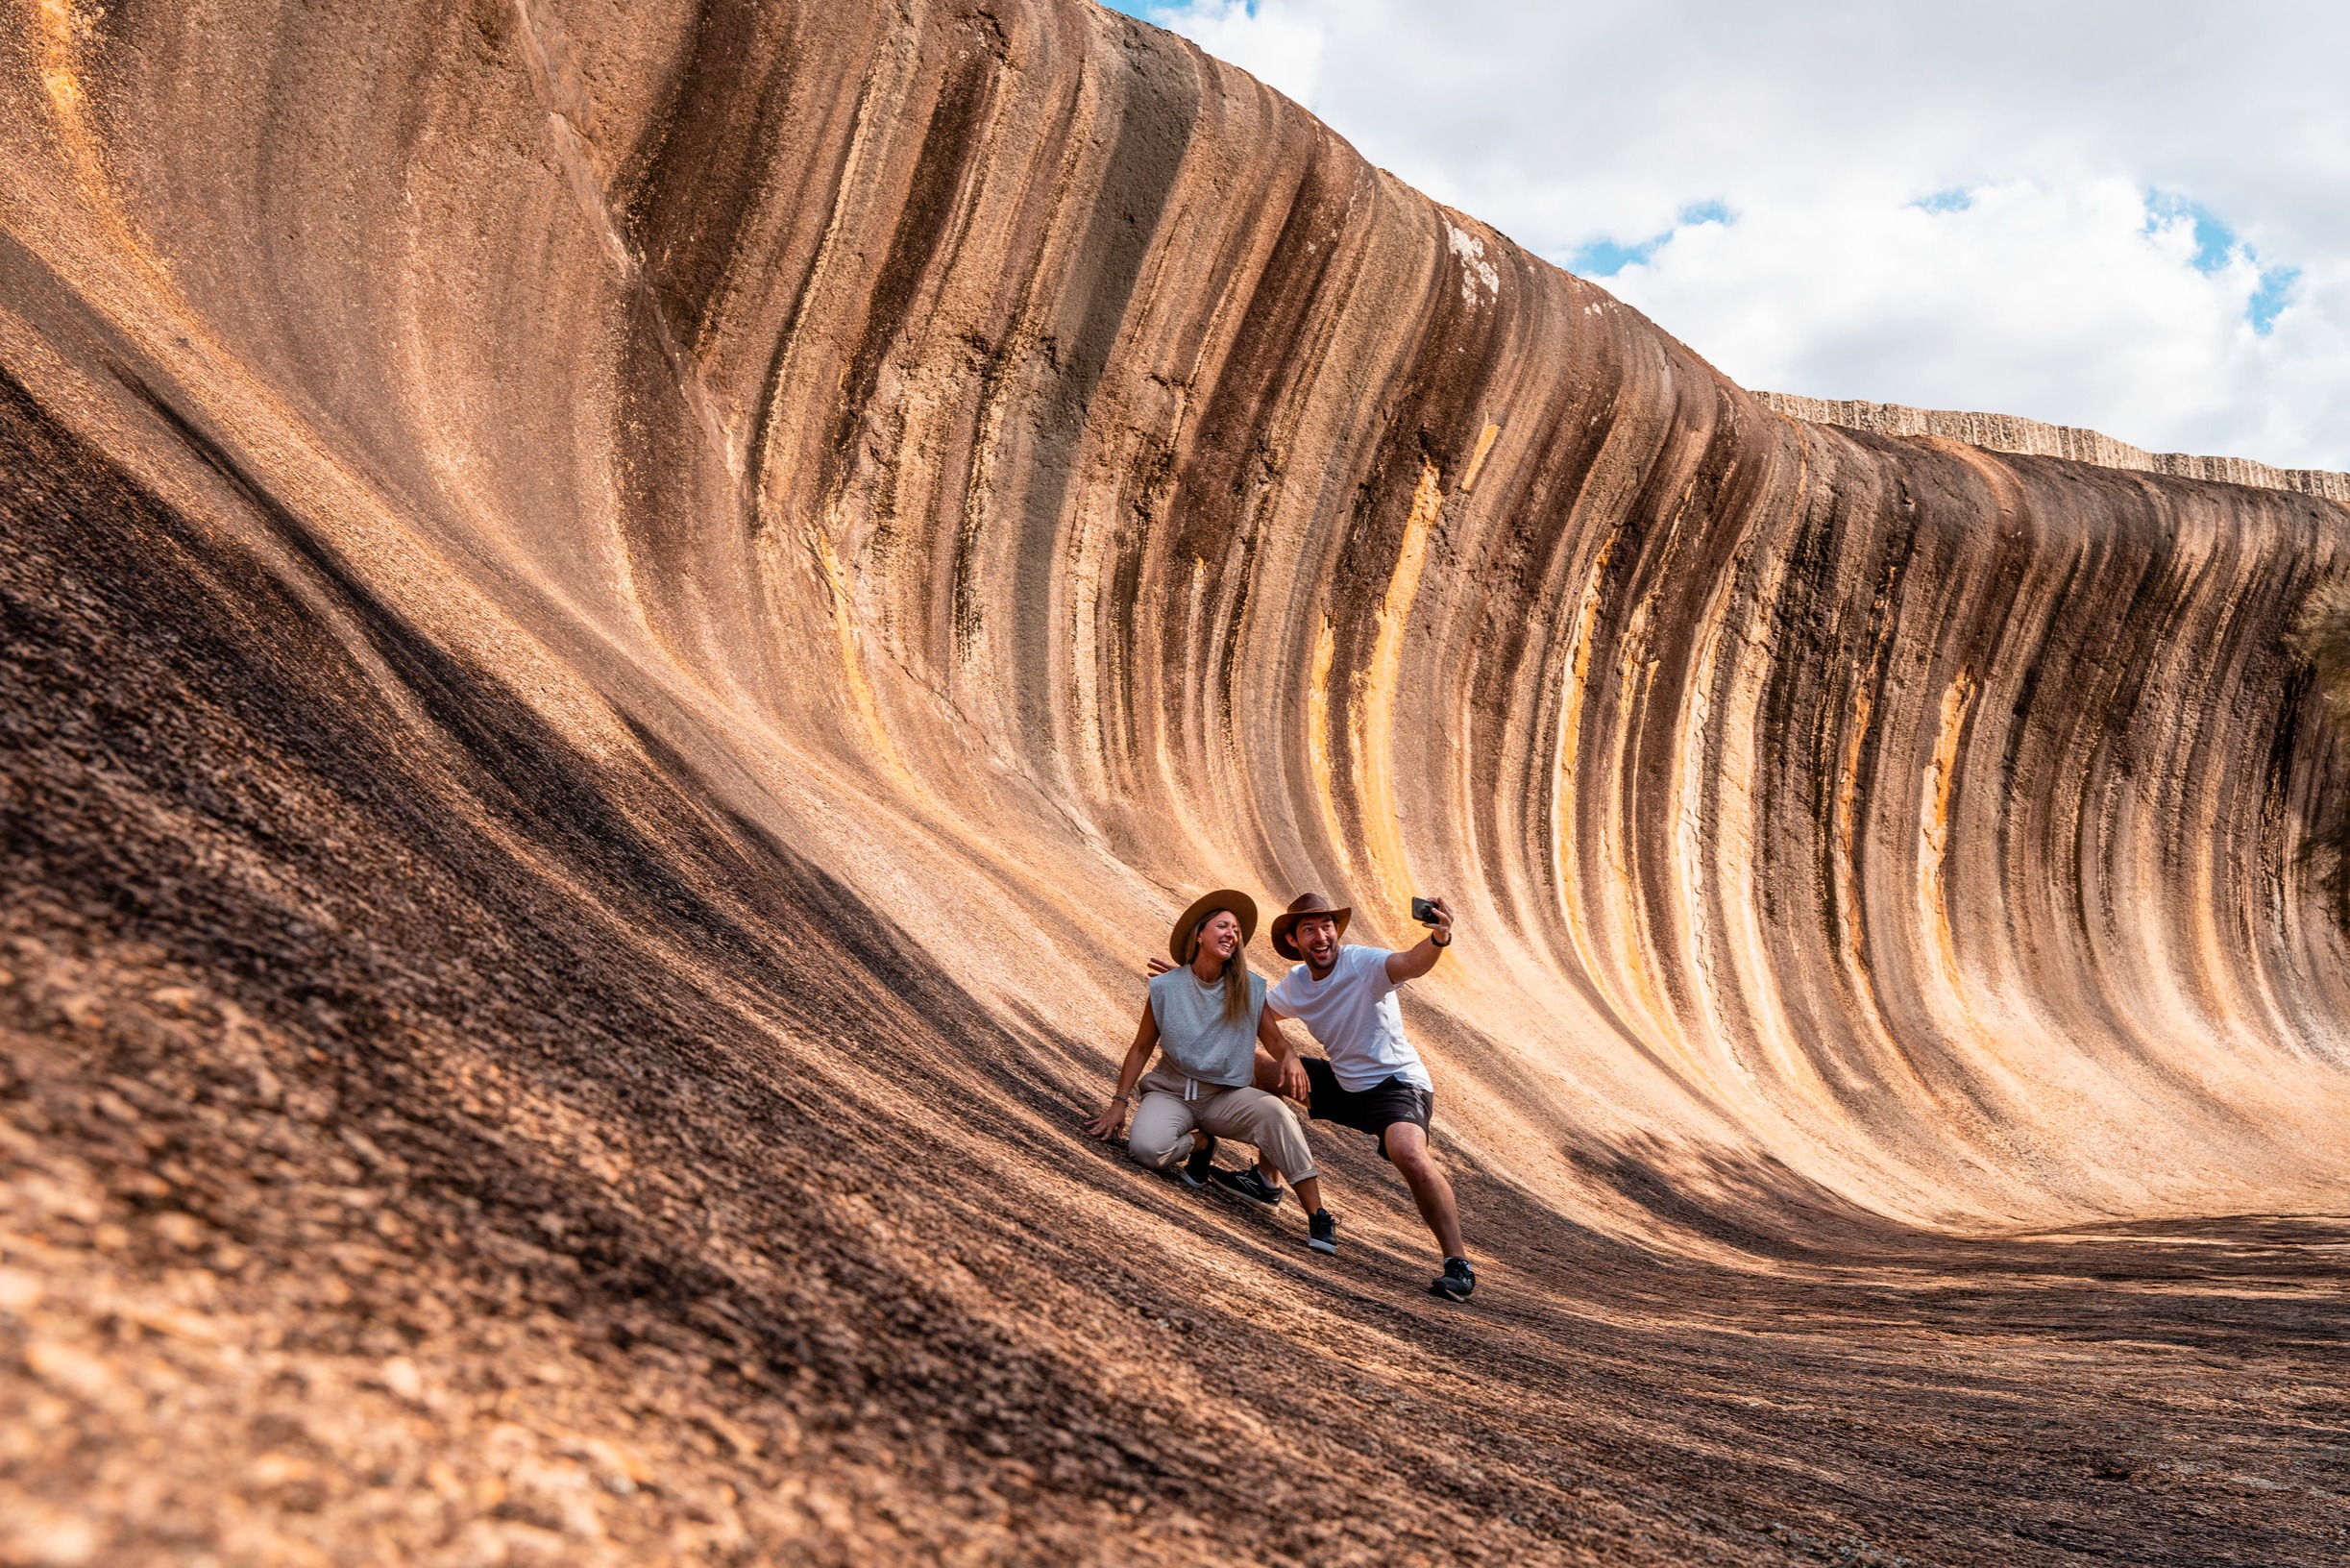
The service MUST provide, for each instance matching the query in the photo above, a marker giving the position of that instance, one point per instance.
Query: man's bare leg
(1408, 1151)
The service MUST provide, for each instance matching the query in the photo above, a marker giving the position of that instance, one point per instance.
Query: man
(1373, 1080)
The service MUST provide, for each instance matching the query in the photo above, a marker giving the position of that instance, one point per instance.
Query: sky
(2133, 217)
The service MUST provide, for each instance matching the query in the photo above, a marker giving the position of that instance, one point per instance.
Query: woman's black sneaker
(1457, 1281)
(1249, 1185)
(1322, 1232)
(1195, 1170)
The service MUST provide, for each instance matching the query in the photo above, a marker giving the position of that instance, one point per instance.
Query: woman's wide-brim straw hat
(1302, 905)
(1241, 905)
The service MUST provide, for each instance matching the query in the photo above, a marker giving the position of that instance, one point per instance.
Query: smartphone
(1424, 911)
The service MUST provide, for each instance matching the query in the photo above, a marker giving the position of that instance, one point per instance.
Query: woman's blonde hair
(1237, 988)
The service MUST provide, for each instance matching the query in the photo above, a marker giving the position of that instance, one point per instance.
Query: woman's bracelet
(1434, 943)
(1127, 1098)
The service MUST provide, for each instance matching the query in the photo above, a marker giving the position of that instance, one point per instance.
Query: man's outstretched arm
(1416, 960)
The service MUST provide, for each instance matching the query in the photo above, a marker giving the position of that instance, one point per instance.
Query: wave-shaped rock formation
(623, 624)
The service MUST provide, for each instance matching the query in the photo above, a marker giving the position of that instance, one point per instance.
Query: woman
(1207, 1016)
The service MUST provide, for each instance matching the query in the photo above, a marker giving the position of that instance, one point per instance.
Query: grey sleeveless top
(1192, 1032)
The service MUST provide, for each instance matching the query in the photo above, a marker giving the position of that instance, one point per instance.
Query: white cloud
(2124, 189)
(1279, 45)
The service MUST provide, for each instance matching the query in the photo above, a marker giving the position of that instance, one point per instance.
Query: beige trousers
(1172, 1105)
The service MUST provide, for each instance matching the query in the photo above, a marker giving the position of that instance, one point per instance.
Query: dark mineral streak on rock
(619, 625)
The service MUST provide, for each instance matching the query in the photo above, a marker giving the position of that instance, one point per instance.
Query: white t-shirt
(1353, 1013)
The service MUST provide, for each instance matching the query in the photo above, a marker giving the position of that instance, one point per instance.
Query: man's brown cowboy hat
(1302, 905)
(1243, 909)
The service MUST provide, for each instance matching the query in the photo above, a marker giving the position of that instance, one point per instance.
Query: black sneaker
(1195, 1171)
(1457, 1281)
(1249, 1185)
(1322, 1233)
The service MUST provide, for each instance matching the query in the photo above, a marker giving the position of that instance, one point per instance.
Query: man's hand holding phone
(1433, 912)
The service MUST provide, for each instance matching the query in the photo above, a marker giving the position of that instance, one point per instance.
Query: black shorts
(1372, 1110)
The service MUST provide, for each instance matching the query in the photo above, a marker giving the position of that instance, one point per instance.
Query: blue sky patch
(2217, 245)
(2273, 295)
(1953, 199)
(2214, 241)
(1608, 257)
(1605, 257)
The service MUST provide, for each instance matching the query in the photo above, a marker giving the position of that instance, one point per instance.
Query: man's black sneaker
(1195, 1171)
(1457, 1281)
(1249, 1185)
(1322, 1232)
